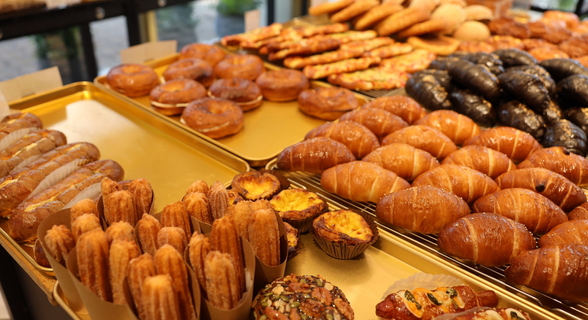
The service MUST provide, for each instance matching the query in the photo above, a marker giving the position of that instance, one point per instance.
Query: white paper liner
(14, 136)
(28, 161)
(450, 316)
(423, 280)
(90, 192)
(56, 176)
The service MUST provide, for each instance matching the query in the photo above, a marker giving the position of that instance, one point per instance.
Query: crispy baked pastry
(169, 261)
(560, 271)
(455, 126)
(359, 139)
(252, 36)
(197, 252)
(570, 232)
(92, 254)
(401, 20)
(329, 7)
(429, 26)
(490, 162)
(549, 184)
(484, 238)
(391, 50)
(316, 44)
(59, 241)
(472, 31)
(544, 53)
(176, 215)
(83, 207)
(241, 214)
(108, 186)
(121, 253)
(197, 205)
(173, 236)
(425, 138)
(148, 228)
(84, 223)
(121, 208)
(377, 14)
(198, 186)
(405, 160)
(404, 107)
(403, 304)
(159, 301)
(507, 26)
(234, 197)
(299, 62)
(424, 209)
(218, 200)
(354, 10)
(378, 121)
(225, 238)
(222, 281)
(142, 195)
(39, 255)
(264, 236)
(342, 226)
(121, 230)
(254, 185)
(516, 144)
(139, 269)
(314, 155)
(475, 46)
(505, 42)
(326, 300)
(416, 60)
(579, 212)
(292, 236)
(16, 121)
(429, 46)
(559, 160)
(298, 207)
(345, 66)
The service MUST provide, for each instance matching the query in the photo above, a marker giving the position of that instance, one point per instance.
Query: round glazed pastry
(245, 93)
(172, 97)
(132, 80)
(309, 297)
(244, 66)
(208, 53)
(215, 118)
(327, 103)
(191, 68)
(282, 85)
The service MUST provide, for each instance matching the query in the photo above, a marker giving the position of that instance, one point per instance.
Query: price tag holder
(60, 3)
(148, 51)
(252, 20)
(30, 84)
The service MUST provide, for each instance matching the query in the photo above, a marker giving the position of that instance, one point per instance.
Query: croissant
(423, 209)
(459, 180)
(559, 160)
(570, 232)
(536, 212)
(359, 139)
(314, 155)
(426, 138)
(361, 181)
(485, 238)
(560, 271)
(516, 144)
(455, 126)
(579, 212)
(403, 106)
(490, 162)
(405, 160)
(549, 184)
(378, 121)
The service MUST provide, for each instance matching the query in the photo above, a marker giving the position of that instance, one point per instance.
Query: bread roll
(405, 160)
(516, 144)
(579, 212)
(453, 13)
(425, 138)
(378, 121)
(359, 139)
(570, 232)
(559, 160)
(314, 155)
(455, 126)
(472, 31)
(403, 106)
(490, 162)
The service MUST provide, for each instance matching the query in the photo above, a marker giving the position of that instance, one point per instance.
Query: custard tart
(254, 185)
(344, 234)
(298, 207)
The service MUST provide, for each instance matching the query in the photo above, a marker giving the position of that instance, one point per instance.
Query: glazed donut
(215, 118)
(190, 68)
(172, 97)
(243, 92)
(327, 103)
(132, 80)
(282, 85)
(208, 53)
(244, 66)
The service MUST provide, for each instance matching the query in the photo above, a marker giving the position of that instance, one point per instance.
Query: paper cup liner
(345, 251)
(423, 280)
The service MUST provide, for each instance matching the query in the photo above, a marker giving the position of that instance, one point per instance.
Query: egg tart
(254, 185)
(298, 207)
(344, 234)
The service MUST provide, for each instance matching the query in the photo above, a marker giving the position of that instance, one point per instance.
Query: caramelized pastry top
(343, 226)
(298, 204)
(254, 185)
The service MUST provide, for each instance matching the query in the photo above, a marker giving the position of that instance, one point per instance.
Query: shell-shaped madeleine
(198, 249)
(197, 205)
(174, 236)
(224, 238)
(142, 195)
(92, 254)
(148, 228)
(139, 269)
(59, 241)
(84, 223)
(121, 253)
(121, 230)
(176, 215)
(158, 299)
(169, 261)
(218, 200)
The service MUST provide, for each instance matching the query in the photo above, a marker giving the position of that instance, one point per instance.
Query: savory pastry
(225, 239)
(293, 241)
(214, 118)
(378, 121)
(416, 60)
(190, 68)
(559, 271)
(254, 185)
(428, 304)
(564, 133)
(158, 299)
(326, 300)
(197, 251)
(570, 232)
(456, 127)
(361, 181)
(197, 206)
(345, 66)
(29, 214)
(92, 254)
(405, 160)
(559, 160)
(218, 200)
(298, 207)
(121, 207)
(139, 269)
(208, 53)
(423, 137)
(359, 139)
(222, 282)
(389, 51)
(299, 62)
(264, 236)
(132, 80)
(429, 26)
(198, 186)
(169, 261)
(121, 253)
(516, 144)
(86, 206)
(172, 97)
(376, 14)
(84, 223)
(314, 155)
(328, 7)
(282, 85)
(245, 93)
(404, 107)
(176, 215)
(16, 121)
(244, 66)
(401, 20)
(579, 212)
(485, 238)
(476, 78)
(254, 35)
(327, 103)
(353, 10)
(519, 116)
(549, 184)
(380, 78)
(424, 209)
(173, 236)
(59, 242)
(147, 229)
(343, 226)
(316, 44)
(490, 162)
(434, 45)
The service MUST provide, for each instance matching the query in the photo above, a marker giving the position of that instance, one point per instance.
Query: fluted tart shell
(254, 185)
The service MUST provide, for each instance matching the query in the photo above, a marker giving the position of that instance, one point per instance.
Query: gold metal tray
(146, 147)
(424, 246)
(267, 130)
